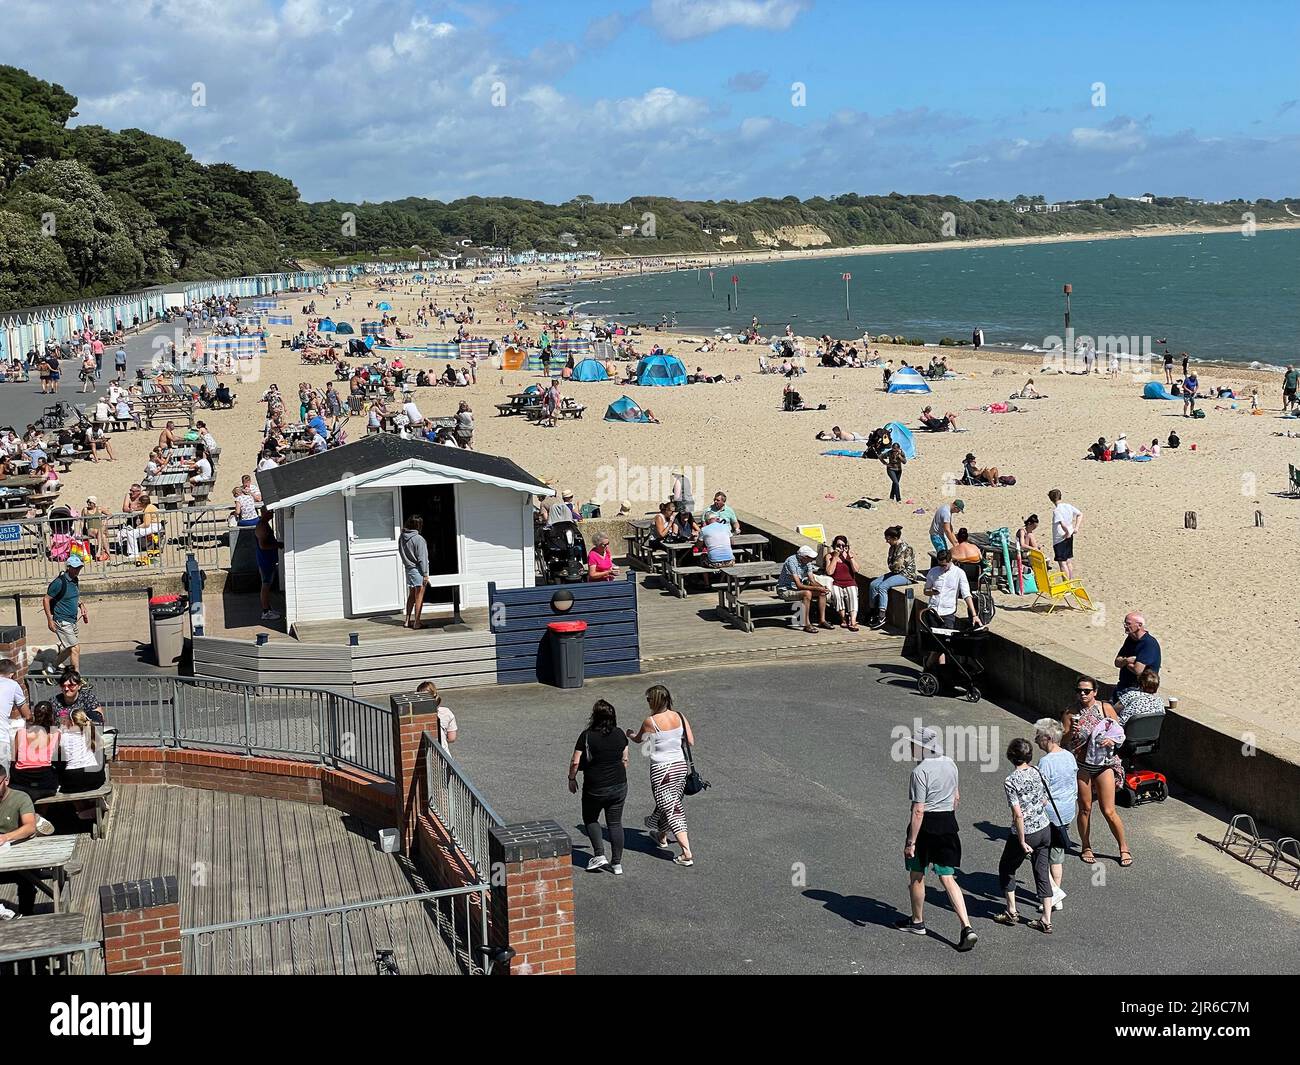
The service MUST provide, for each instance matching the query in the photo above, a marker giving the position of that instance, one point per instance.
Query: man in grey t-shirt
(932, 834)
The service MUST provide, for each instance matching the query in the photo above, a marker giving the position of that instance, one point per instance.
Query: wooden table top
(751, 569)
(38, 852)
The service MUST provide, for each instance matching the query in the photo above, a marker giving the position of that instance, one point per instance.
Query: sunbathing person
(931, 422)
(1029, 391)
(973, 475)
(837, 433)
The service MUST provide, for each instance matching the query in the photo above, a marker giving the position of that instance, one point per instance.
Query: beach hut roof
(356, 464)
(908, 379)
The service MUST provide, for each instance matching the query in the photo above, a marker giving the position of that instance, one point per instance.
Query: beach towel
(845, 453)
(1141, 458)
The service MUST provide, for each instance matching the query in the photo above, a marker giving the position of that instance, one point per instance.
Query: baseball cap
(958, 504)
(927, 738)
(74, 562)
(807, 552)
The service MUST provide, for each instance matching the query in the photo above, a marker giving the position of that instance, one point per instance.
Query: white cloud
(680, 20)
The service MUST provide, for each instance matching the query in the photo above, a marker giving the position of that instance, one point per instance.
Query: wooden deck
(238, 857)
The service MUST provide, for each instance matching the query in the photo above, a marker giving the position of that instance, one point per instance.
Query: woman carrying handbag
(669, 769)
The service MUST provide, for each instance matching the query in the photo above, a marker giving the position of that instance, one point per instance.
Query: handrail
(459, 806)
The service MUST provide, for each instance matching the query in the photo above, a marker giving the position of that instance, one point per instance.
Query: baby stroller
(1141, 736)
(960, 647)
(561, 554)
(54, 416)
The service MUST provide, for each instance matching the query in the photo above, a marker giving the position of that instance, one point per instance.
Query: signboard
(846, 277)
(735, 279)
(10, 534)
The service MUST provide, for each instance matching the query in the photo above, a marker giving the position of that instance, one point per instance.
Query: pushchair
(561, 554)
(54, 416)
(960, 647)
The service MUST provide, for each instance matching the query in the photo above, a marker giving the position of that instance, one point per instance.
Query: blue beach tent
(902, 435)
(625, 409)
(1156, 390)
(589, 370)
(907, 380)
(344, 327)
(660, 370)
(384, 307)
(325, 326)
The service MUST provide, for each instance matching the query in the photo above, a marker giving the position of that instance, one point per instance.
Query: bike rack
(1243, 842)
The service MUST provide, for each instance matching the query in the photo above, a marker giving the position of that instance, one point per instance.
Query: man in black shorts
(933, 839)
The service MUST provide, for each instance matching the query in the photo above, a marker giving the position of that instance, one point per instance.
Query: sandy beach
(1132, 552)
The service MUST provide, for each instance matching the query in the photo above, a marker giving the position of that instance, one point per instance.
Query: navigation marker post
(846, 278)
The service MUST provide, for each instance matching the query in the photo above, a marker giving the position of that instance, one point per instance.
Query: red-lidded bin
(167, 627)
(567, 642)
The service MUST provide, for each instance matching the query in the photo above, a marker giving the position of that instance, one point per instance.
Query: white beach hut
(340, 514)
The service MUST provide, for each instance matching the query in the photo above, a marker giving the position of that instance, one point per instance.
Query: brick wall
(142, 927)
(532, 898)
(13, 645)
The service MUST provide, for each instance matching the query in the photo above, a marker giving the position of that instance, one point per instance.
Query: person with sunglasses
(75, 694)
(1093, 733)
(842, 568)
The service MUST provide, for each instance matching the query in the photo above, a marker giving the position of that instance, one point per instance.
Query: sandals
(810, 628)
(1087, 857)
(1125, 859)
(684, 859)
(853, 628)
(1008, 918)
(1038, 925)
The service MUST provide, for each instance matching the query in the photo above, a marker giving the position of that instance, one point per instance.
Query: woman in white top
(668, 770)
(80, 754)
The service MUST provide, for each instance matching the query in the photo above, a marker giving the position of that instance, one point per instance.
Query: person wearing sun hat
(933, 838)
(63, 607)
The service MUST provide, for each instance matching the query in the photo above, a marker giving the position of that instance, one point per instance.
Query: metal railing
(433, 932)
(463, 811)
(64, 959)
(25, 559)
(281, 721)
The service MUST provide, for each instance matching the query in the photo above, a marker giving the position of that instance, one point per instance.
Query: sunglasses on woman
(1084, 691)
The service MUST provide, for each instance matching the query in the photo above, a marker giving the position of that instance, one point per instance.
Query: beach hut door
(375, 571)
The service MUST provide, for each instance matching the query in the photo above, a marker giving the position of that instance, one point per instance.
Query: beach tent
(589, 370)
(344, 327)
(901, 434)
(513, 358)
(384, 307)
(369, 341)
(1156, 390)
(325, 326)
(625, 409)
(907, 380)
(662, 370)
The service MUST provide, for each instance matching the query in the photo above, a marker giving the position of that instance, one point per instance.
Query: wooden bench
(746, 608)
(52, 938)
(65, 460)
(746, 594)
(99, 796)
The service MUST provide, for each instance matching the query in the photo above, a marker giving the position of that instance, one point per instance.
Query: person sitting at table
(17, 823)
(963, 550)
(50, 483)
(200, 467)
(169, 437)
(145, 524)
(720, 507)
(155, 463)
(316, 442)
(666, 529)
(122, 411)
(413, 416)
(81, 758)
(715, 535)
(33, 748)
(600, 562)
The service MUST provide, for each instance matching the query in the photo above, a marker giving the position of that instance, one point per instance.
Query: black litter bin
(567, 639)
(167, 627)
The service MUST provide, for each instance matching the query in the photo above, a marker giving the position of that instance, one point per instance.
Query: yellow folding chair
(1056, 587)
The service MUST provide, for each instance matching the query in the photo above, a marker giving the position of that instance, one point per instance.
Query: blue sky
(380, 99)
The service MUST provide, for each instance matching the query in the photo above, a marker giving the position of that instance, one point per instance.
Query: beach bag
(694, 782)
(1007, 479)
(1198, 414)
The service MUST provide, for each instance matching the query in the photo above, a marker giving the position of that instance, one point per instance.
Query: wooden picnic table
(179, 453)
(28, 481)
(677, 569)
(46, 935)
(743, 577)
(41, 852)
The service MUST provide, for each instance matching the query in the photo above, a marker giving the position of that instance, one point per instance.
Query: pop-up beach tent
(907, 380)
(1156, 390)
(660, 370)
(325, 326)
(344, 327)
(902, 435)
(590, 370)
(625, 409)
(384, 307)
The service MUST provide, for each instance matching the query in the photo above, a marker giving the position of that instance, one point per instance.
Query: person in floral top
(1093, 733)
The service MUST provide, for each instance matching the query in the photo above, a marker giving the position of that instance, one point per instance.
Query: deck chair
(147, 390)
(1055, 587)
(1295, 481)
(590, 510)
(210, 380)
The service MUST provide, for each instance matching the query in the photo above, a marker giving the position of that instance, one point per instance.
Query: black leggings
(895, 476)
(612, 806)
(1013, 855)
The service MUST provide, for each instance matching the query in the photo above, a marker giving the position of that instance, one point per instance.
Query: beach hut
(1156, 390)
(907, 381)
(344, 327)
(325, 325)
(590, 370)
(625, 409)
(661, 370)
(901, 434)
(340, 516)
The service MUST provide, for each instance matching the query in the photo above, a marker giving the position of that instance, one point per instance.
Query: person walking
(668, 770)
(448, 730)
(933, 838)
(1060, 773)
(63, 607)
(600, 755)
(894, 460)
(413, 550)
(1030, 836)
(1190, 384)
(1066, 521)
(1092, 732)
